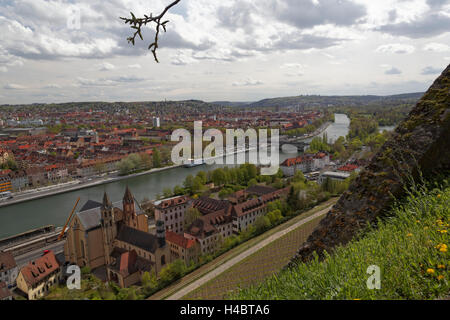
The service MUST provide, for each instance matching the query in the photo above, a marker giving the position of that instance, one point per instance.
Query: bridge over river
(54, 210)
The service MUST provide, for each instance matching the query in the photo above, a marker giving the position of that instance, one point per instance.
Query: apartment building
(38, 276)
(172, 211)
(8, 269)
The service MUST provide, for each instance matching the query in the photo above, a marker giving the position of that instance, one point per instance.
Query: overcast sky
(238, 50)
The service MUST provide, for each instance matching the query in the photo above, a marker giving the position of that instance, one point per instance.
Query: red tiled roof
(35, 271)
(7, 261)
(293, 161)
(179, 240)
(348, 167)
(251, 205)
(320, 155)
(173, 202)
(127, 262)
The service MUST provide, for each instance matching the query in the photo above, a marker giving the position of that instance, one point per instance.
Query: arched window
(163, 260)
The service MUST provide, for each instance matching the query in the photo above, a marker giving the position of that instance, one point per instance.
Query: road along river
(55, 209)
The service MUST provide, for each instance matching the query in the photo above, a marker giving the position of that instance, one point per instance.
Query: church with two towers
(115, 236)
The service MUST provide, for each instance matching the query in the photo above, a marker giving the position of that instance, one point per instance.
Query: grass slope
(410, 247)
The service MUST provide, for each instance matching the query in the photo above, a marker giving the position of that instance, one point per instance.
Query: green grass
(410, 247)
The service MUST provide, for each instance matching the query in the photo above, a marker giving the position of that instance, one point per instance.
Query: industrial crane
(68, 220)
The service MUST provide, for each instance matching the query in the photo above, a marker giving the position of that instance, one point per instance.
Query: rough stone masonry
(421, 141)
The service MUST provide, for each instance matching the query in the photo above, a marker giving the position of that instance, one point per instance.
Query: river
(55, 209)
(339, 128)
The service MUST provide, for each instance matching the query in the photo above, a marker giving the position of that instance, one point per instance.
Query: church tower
(129, 210)
(109, 228)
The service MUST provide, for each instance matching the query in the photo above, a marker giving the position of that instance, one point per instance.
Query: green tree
(218, 177)
(298, 176)
(274, 216)
(149, 279)
(178, 190)
(225, 192)
(167, 193)
(156, 158)
(252, 182)
(125, 166)
(146, 161)
(197, 185)
(173, 271)
(262, 223)
(202, 176)
(135, 160)
(188, 182)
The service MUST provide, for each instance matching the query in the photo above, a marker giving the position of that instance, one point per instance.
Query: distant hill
(332, 101)
(297, 101)
(231, 103)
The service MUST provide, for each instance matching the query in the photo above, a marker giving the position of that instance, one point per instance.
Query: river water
(55, 209)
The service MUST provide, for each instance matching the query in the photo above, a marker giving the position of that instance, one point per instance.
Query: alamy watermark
(74, 280)
(374, 281)
(261, 152)
(74, 19)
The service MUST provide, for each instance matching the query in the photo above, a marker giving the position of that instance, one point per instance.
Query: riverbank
(63, 189)
(39, 193)
(319, 130)
(53, 206)
(30, 195)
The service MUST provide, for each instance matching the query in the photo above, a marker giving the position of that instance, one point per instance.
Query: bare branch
(138, 23)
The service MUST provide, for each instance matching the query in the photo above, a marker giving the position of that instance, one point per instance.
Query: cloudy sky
(239, 50)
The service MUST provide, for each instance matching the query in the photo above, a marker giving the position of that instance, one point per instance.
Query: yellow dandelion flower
(441, 266)
(438, 195)
(409, 235)
(430, 271)
(417, 221)
(443, 231)
(440, 277)
(443, 249)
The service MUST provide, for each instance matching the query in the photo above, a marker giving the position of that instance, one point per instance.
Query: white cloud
(293, 69)
(436, 47)
(105, 66)
(247, 82)
(393, 71)
(135, 66)
(333, 45)
(396, 48)
(52, 86)
(13, 86)
(292, 66)
(430, 70)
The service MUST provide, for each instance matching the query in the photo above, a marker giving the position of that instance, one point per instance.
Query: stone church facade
(115, 235)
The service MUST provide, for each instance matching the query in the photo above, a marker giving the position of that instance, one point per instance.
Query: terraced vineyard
(270, 259)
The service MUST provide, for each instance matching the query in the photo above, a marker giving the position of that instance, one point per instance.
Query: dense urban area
(142, 247)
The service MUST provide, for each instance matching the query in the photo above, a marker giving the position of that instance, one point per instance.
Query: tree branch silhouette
(138, 23)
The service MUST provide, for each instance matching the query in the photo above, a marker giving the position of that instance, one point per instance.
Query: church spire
(106, 201)
(128, 197)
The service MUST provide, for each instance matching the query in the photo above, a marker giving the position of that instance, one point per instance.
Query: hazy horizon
(213, 101)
